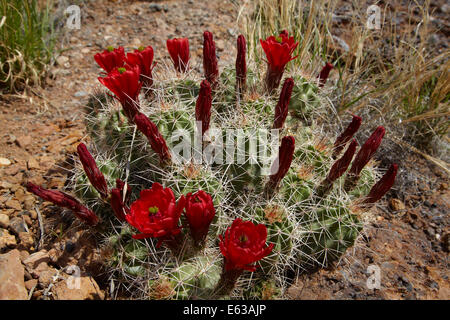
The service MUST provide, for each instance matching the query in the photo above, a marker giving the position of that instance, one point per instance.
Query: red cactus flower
(111, 58)
(93, 173)
(345, 136)
(62, 199)
(341, 165)
(199, 213)
(153, 135)
(382, 186)
(281, 110)
(119, 198)
(203, 106)
(179, 52)
(285, 155)
(241, 66)
(324, 73)
(143, 57)
(156, 213)
(278, 52)
(209, 59)
(244, 243)
(125, 84)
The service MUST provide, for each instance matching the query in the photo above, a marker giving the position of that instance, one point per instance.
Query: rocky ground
(408, 241)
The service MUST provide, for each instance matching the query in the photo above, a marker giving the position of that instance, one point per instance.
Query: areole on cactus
(182, 226)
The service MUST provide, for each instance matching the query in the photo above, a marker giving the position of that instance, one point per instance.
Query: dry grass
(26, 43)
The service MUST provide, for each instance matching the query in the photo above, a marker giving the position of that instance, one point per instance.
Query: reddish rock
(14, 204)
(35, 259)
(6, 240)
(30, 284)
(67, 289)
(12, 285)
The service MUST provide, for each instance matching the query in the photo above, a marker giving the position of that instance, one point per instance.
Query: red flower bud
(118, 199)
(62, 199)
(110, 58)
(341, 165)
(153, 135)
(143, 57)
(382, 186)
(125, 84)
(281, 110)
(367, 150)
(244, 243)
(209, 59)
(93, 173)
(241, 66)
(278, 52)
(362, 158)
(324, 73)
(286, 153)
(179, 52)
(203, 105)
(156, 214)
(345, 136)
(199, 213)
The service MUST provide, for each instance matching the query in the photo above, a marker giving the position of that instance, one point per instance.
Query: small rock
(6, 240)
(5, 185)
(17, 225)
(33, 213)
(36, 258)
(220, 44)
(430, 231)
(4, 221)
(46, 277)
(136, 42)
(36, 272)
(12, 284)
(32, 163)
(28, 204)
(62, 60)
(88, 290)
(4, 162)
(20, 194)
(26, 239)
(23, 141)
(23, 255)
(79, 94)
(30, 284)
(53, 253)
(13, 204)
(397, 205)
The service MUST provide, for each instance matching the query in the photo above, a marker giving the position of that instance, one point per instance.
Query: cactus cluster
(219, 227)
